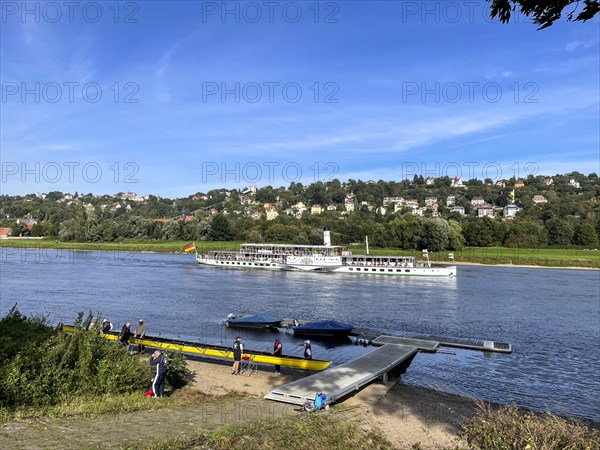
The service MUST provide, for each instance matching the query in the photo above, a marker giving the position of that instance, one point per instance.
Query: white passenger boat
(322, 258)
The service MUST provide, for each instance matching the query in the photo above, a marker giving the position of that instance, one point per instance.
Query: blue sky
(204, 95)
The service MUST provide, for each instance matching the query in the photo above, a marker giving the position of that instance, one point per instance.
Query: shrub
(46, 372)
(508, 428)
(178, 374)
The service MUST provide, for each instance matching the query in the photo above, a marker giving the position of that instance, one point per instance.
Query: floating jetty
(435, 341)
(393, 357)
(340, 381)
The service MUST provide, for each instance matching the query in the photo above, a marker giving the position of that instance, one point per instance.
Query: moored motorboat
(262, 320)
(330, 329)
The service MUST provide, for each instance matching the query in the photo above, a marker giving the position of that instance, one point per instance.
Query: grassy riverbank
(543, 257)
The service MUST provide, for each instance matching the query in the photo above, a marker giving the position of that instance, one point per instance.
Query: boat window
(382, 270)
(358, 268)
(352, 268)
(374, 270)
(407, 270)
(390, 270)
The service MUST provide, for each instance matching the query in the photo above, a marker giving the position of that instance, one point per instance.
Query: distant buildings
(510, 211)
(476, 201)
(316, 209)
(5, 232)
(485, 210)
(457, 183)
(539, 199)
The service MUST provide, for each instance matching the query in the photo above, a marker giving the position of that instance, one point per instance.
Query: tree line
(569, 217)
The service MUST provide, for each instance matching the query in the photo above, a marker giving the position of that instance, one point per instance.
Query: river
(550, 316)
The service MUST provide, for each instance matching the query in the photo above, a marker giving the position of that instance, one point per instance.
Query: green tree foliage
(585, 234)
(526, 233)
(54, 367)
(220, 229)
(560, 232)
(435, 235)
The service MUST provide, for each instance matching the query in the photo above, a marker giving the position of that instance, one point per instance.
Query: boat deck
(342, 380)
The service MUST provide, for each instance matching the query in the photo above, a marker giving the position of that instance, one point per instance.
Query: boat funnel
(326, 237)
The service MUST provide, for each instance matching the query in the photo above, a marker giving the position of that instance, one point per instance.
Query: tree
(435, 235)
(525, 233)
(220, 229)
(585, 234)
(457, 241)
(560, 232)
(544, 12)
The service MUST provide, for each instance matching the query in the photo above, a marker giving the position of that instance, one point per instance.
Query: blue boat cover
(325, 325)
(261, 317)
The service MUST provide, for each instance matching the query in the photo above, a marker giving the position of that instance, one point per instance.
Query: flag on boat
(190, 247)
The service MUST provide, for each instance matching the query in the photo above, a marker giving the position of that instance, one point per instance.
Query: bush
(18, 331)
(508, 428)
(62, 366)
(178, 374)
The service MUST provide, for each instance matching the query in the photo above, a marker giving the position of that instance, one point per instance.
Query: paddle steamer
(322, 258)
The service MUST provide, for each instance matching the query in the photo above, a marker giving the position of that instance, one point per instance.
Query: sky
(173, 98)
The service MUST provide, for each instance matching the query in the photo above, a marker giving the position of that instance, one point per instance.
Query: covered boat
(324, 329)
(262, 320)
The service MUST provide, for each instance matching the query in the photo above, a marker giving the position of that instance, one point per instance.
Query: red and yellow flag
(190, 247)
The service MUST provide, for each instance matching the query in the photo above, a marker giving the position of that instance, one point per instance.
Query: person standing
(307, 352)
(125, 334)
(158, 382)
(238, 349)
(277, 351)
(106, 326)
(140, 333)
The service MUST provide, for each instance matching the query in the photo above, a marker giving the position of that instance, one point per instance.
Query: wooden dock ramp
(340, 381)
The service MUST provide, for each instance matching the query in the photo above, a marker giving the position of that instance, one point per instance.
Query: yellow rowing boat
(216, 351)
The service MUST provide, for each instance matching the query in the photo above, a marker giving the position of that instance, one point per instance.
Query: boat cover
(261, 317)
(325, 325)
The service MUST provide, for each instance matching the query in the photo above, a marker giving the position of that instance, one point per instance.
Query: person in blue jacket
(158, 382)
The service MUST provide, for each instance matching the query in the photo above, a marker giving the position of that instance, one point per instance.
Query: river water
(550, 316)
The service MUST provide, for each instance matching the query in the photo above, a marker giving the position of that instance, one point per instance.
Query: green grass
(508, 428)
(126, 245)
(315, 431)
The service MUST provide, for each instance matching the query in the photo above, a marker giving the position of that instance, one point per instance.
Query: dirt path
(138, 428)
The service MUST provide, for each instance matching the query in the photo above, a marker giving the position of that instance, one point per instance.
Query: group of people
(238, 350)
(126, 334)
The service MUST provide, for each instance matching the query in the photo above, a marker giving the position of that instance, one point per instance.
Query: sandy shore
(405, 414)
